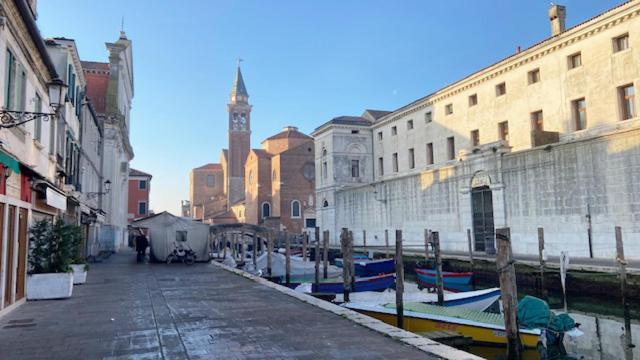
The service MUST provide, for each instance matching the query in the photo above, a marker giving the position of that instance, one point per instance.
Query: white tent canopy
(167, 231)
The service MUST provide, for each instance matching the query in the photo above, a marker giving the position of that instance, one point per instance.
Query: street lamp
(12, 118)
(56, 93)
(107, 188)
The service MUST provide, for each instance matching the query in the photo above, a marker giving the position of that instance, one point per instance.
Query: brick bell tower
(239, 138)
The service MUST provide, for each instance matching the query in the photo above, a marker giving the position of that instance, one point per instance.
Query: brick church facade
(273, 186)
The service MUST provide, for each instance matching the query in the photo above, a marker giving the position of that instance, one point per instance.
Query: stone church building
(273, 186)
(548, 137)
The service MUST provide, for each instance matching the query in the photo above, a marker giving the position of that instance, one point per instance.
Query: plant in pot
(51, 251)
(78, 264)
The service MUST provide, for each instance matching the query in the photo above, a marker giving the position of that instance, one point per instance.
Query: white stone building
(110, 90)
(548, 137)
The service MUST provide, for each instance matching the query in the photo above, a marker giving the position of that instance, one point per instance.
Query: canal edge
(421, 343)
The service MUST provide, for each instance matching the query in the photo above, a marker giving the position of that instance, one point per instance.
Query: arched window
(324, 169)
(295, 209)
(325, 203)
(266, 210)
(274, 175)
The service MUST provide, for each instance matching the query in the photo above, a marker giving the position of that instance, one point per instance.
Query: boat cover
(535, 313)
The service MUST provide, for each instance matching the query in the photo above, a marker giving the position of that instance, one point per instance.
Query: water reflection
(603, 338)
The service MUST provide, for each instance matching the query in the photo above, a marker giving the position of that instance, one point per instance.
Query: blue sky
(304, 62)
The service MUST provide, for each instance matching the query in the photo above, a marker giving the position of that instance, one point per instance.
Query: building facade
(206, 191)
(548, 137)
(139, 191)
(110, 88)
(91, 179)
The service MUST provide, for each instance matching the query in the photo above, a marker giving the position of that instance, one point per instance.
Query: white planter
(79, 273)
(49, 286)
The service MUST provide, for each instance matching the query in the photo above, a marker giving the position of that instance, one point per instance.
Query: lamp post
(12, 118)
(107, 188)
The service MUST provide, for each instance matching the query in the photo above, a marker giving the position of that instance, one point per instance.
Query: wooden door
(483, 230)
(8, 285)
(22, 253)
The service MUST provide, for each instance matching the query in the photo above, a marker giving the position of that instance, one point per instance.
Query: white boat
(478, 300)
(300, 270)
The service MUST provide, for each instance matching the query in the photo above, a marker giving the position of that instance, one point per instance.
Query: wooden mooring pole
(352, 264)
(622, 272)
(305, 242)
(435, 237)
(509, 292)
(344, 244)
(386, 244)
(254, 254)
(243, 247)
(541, 256)
(287, 252)
(364, 240)
(399, 281)
(269, 253)
(224, 246)
(325, 253)
(471, 264)
(317, 259)
(426, 246)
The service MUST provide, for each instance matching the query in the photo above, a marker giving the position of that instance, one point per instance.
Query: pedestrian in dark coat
(141, 246)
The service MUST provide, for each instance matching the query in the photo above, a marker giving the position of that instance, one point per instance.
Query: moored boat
(453, 280)
(474, 300)
(336, 285)
(482, 327)
(368, 267)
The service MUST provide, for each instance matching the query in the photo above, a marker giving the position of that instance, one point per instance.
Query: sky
(304, 62)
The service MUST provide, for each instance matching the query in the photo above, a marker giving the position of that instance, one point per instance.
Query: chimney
(557, 15)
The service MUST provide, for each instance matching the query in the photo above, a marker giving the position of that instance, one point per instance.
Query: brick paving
(156, 311)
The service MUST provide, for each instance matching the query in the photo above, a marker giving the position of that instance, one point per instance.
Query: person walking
(141, 246)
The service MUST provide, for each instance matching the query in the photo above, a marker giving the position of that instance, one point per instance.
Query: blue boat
(368, 267)
(451, 280)
(336, 286)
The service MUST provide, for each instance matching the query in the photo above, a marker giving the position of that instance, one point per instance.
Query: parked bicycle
(180, 253)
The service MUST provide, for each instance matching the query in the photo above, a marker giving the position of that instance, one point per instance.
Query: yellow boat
(482, 327)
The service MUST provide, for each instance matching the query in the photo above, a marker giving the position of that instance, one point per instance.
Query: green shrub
(53, 246)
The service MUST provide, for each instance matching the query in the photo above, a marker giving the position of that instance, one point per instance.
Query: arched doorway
(482, 212)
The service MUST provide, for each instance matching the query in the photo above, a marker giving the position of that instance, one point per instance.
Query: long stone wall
(547, 187)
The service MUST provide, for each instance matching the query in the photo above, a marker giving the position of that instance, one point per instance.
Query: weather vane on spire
(239, 60)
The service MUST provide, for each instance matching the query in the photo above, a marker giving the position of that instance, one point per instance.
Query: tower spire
(238, 90)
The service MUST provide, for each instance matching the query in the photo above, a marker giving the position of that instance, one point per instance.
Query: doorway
(483, 230)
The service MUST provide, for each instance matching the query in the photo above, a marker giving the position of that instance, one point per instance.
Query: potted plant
(51, 251)
(79, 264)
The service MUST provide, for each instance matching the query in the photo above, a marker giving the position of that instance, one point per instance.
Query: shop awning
(9, 161)
(56, 199)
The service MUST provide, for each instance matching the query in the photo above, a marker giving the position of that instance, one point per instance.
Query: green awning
(10, 162)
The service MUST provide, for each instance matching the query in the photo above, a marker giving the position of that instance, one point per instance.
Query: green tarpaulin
(8, 161)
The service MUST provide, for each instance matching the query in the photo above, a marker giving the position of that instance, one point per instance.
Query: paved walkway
(131, 311)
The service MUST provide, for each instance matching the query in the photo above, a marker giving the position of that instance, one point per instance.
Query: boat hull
(367, 267)
(427, 278)
(478, 334)
(374, 283)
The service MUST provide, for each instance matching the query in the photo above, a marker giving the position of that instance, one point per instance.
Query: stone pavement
(156, 311)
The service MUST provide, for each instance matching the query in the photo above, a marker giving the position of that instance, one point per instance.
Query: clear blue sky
(304, 62)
